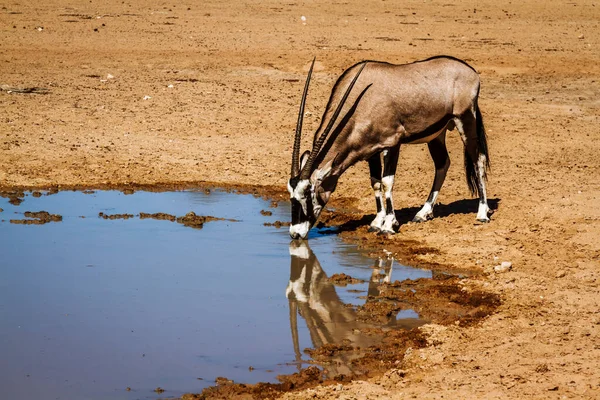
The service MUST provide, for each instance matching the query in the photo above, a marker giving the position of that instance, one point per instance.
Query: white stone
(505, 266)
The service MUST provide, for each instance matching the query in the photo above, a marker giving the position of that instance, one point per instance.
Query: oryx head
(310, 187)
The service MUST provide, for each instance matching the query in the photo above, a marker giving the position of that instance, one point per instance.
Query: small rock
(505, 266)
(561, 274)
(581, 36)
(147, 97)
(110, 76)
(171, 86)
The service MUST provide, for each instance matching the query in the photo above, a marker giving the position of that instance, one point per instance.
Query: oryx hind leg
(472, 134)
(441, 160)
(375, 172)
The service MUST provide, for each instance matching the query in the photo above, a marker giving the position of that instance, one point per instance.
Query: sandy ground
(166, 92)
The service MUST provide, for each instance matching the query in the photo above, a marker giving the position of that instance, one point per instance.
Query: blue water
(89, 307)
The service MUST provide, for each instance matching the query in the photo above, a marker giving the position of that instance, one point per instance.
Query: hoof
(483, 221)
(419, 219)
(386, 233)
(374, 229)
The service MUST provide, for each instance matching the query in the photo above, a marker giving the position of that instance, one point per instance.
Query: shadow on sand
(404, 215)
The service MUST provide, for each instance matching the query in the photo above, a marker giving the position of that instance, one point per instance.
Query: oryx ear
(304, 159)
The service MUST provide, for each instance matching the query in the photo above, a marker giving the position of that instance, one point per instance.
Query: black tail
(482, 149)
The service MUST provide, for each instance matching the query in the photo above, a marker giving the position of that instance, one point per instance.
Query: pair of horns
(305, 173)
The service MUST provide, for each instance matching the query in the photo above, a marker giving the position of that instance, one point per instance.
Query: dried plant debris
(277, 224)
(342, 279)
(37, 218)
(26, 90)
(115, 216)
(195, 221)
(159, 216)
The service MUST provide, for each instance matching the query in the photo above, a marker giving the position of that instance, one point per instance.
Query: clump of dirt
(307, 378)
(36, 194)
(115, 216)
(277, 224)
(266, 213)
(38, 218)
(344, 280)
(195, 221)
(14, 196)
(158, 216)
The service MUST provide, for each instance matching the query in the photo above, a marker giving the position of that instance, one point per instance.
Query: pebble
(505, 266)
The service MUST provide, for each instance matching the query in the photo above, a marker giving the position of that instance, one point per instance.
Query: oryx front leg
(375, 172)
(439, 154)
(390, 162)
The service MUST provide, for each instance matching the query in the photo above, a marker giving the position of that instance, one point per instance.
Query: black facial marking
(297, 213)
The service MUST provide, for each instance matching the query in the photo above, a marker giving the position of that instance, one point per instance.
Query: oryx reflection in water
(328, 318)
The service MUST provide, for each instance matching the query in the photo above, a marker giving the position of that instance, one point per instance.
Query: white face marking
(300, 229)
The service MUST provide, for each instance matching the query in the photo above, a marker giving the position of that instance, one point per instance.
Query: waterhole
(97, 302)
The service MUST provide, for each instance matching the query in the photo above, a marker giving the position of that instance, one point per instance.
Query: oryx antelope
(382, 106)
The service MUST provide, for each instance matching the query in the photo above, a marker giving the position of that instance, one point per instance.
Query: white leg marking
(388, 185)
(378, 221)
(482, 213)
(389, 222)
(484, 210)
(427, 211)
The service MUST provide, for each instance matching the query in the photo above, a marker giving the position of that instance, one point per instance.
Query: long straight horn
(305, 174)
(296, 151)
